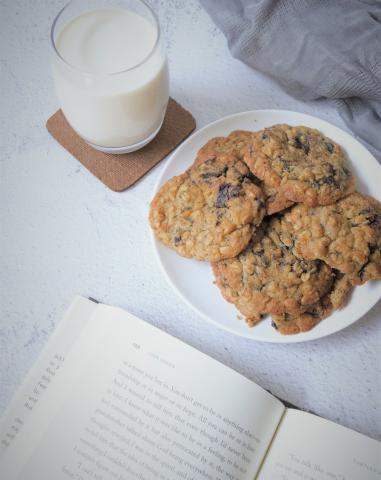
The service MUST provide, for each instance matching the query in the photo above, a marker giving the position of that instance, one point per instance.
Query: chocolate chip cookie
(288, 324)
(209, 212)
(346, 235)
(268, 278)
(300, 162)
(236, 143)
(275, 200)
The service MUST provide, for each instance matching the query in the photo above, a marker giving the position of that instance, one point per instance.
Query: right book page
(311, 448)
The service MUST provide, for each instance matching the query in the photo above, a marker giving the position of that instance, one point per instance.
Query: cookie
(268, 278)
(254, 319)
(275, 200)
(346, 235)
(288, 324)
(210, 211)
(300, 162)
(236, 143)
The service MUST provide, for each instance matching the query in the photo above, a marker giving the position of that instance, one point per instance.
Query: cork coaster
(119, 172)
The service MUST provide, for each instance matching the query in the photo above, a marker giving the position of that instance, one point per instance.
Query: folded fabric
(314, 49)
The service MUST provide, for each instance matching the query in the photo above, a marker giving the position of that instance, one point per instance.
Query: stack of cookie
(277, 214)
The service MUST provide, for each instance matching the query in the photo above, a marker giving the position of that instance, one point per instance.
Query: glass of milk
(110, 72)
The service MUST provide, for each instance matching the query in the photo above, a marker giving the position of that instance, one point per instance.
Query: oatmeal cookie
(288, 324)
(210, 211)
(275, 200)
(300, 162)
(346, 235)
(254, 319)
(235, 144)
(268, 278)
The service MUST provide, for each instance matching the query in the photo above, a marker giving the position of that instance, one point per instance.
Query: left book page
(45, 371)
(135, 403)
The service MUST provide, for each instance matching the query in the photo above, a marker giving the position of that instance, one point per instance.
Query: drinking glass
(110, 72)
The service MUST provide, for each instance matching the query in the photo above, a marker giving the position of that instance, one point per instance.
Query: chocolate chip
(330, 181)
(372, 219)
(285, 163)
(210, 160)
(225, 193)
(220, 173)
(370, 216)
(223, 196)
(372, 248)
(331, 177)
(264, 261)
(313, 312)
(206, 176)
(264, 136)
(361, 272)
(302, 143)
(274, 325)
(329, 147)
(234, 191)
(304, 266)
(286, 248)
(251, 177)
(177, 239)
(261, 204)
(319, 265)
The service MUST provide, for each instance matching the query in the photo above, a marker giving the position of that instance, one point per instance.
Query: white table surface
(64, 233)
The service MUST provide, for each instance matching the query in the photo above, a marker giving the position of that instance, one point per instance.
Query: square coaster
(119, 172)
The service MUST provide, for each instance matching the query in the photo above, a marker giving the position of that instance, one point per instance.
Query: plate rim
(283, 339)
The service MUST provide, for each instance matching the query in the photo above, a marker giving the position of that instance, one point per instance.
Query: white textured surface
(63, 233)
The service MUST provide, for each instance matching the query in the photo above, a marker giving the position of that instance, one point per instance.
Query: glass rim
(144, 60)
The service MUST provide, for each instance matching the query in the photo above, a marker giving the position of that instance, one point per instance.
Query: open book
(112, 397)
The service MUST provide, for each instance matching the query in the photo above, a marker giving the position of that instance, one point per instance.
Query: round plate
(193, 280)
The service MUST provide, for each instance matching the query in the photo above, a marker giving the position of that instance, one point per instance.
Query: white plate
(193, 280)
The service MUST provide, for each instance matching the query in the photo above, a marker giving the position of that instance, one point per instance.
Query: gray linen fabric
(314, 49)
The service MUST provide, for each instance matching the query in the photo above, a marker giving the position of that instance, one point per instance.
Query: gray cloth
(314, 49)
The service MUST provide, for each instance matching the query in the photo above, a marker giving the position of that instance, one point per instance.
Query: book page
(45, 371)
(135, 403)
(311, 448)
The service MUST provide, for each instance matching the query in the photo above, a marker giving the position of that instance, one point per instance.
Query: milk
(111, 78)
